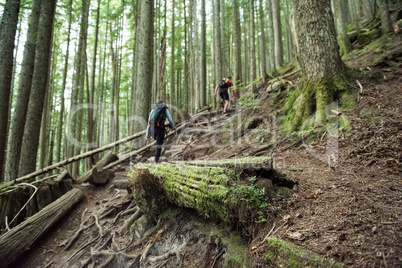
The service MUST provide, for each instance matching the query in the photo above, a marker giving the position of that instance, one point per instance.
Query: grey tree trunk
(217, 41)
(386, 24)
(271, 37)
(144, 64)
(340, 22)
(8, 29)
(24, 89)
(91, 124)
(253, 68)
(78, 87)
(237, 44)
(30, 140)
(263, 60)
(277, 27)
(223, 41)
(172, 61)
(63, 87)
(203, 77)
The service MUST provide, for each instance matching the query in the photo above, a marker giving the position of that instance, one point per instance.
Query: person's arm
(149, 123)
(169, 117)
(216, 90)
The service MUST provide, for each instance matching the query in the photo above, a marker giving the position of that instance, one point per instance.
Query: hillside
(345, 204)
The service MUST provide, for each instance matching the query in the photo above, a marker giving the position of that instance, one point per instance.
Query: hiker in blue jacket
(156, 126)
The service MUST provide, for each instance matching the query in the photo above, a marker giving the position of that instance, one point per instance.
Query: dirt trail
(349, 212)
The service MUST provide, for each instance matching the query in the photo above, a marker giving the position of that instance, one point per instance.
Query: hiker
(223, 86)
(156, 126)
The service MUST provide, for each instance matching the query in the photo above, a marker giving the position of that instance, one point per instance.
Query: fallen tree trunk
(19, 239)
(232, 190)
(97, 175)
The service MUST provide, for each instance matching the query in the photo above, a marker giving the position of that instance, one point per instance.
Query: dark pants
(158, 133)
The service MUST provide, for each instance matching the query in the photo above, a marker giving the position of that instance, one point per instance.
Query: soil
(347, 205)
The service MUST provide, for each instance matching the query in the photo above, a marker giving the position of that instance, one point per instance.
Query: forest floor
(347, 209)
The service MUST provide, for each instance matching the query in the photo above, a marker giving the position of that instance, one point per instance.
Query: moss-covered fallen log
(19, 239)
(231, 190)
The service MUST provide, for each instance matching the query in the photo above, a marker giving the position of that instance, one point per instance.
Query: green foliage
(254, 197)
(249, 100)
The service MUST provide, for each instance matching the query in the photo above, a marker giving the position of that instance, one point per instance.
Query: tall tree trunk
(223, 41)
(196, 62)
(323, 70)
(24, 89)
(30, 140)
(63, 87)
(74, 134)
(386, 24)
(161, 92)
(217, 42)
(203, 77)
(172, 61)
(253, 68)
(91, 129)
(271, 38)
(237, 44)
(276, 17)
(144, 63)
(186, 84)
(263, 60)
(8, 29)
(340, 22)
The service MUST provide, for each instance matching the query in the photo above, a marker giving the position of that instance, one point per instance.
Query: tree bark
(277, 28)
(203, 77)
(253, 67)
(8, 29)
(30, 140)
(15, 242)
(386, 23)
(340, 17)
(263, 60)
(24, 89)
(172, 62)
(323, 71)
(271, 38)
(237, 45)
(144, 64)
(217, 41)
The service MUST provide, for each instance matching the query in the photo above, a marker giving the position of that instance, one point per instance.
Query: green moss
(236, 246)
(310, 101)
(284, 254)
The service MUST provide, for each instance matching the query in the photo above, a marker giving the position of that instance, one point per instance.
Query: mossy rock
(285, 254)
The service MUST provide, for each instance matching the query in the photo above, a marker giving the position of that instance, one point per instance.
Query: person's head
(230, 77)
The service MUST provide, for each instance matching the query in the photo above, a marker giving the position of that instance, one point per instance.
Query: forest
(79, 77)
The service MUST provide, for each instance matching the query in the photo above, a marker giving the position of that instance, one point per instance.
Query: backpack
(223, 83)
(159, 114)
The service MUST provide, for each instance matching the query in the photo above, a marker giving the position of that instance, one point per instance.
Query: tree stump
(98, 175)
(229, 190)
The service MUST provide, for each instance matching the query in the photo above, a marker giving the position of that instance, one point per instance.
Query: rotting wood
(63, 176)
(97, 175)
(206, 186)
(20, 238)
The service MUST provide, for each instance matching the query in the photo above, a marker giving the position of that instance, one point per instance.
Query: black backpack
(159, 114)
